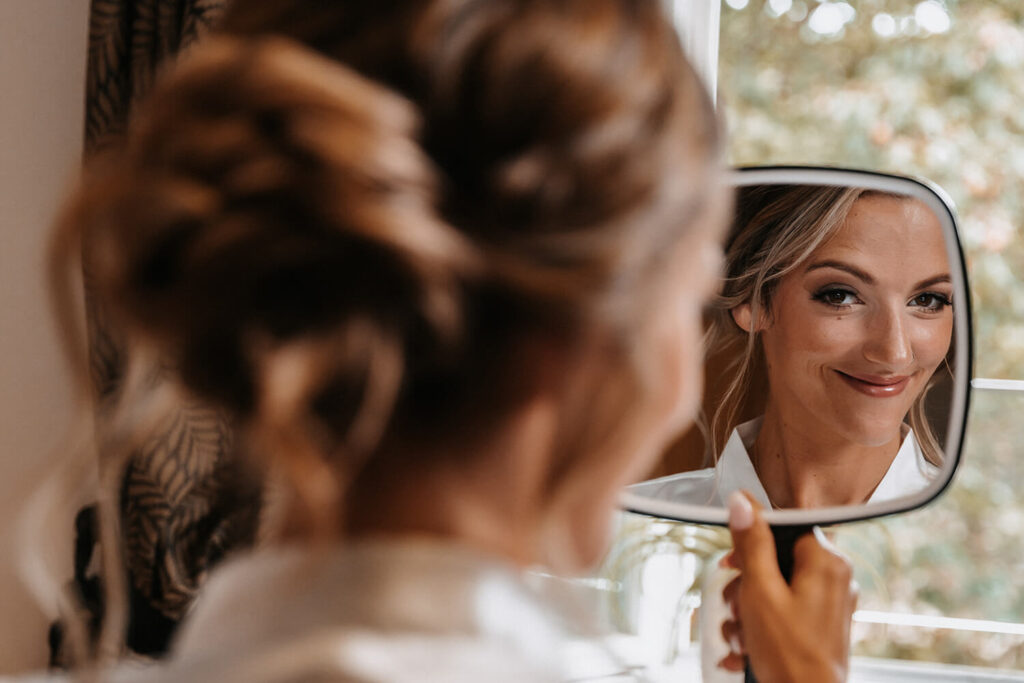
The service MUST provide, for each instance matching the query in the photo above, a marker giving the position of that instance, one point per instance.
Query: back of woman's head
(555, 126)
(265, 196)
(339, 258)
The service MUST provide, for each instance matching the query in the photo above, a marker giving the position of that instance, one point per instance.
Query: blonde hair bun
(268, 197)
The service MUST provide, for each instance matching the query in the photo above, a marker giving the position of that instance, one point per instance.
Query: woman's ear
(743, 315)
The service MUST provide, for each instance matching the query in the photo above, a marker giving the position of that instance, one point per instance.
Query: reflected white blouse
(908, 473)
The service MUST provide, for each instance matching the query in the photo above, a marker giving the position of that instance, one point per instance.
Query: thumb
(752, 538)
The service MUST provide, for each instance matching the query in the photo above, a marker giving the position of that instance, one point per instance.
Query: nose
(888, 342)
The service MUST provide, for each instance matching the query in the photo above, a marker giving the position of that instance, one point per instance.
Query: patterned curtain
(184, 502)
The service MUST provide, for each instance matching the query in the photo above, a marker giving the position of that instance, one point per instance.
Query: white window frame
(698, 24)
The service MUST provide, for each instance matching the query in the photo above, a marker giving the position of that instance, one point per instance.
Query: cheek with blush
(931, 342)
(835, 341)
(802, 346)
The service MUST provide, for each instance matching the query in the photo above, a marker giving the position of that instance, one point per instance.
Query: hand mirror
(838, 355)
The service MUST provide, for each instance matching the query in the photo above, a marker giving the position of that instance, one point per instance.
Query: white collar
(734, 470)
(908, 473)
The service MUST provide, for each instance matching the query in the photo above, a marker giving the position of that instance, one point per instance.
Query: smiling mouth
(875, 385)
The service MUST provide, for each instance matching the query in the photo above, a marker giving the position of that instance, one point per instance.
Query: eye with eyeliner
(931, 302)
(836, 296)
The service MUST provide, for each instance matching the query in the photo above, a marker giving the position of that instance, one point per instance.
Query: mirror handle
(785, 539)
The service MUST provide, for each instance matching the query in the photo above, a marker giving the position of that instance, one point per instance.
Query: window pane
(962, 556)
(920, 87)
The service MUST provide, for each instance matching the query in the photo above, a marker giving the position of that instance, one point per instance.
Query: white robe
(397, 611)
(909, 473)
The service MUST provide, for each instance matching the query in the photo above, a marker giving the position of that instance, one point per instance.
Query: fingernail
(741, 512)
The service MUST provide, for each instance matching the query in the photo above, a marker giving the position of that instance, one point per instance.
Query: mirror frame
(935, 198)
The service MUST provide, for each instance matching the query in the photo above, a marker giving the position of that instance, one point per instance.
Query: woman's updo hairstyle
(268, 228)
(575, 148)
(574, 141)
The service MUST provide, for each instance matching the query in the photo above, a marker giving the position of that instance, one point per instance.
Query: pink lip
(877, 385)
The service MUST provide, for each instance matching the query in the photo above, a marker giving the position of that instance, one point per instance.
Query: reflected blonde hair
(777, 228)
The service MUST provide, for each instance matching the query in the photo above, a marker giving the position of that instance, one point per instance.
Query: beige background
(43, 47)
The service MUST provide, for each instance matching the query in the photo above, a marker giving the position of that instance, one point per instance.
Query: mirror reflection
(829, 354)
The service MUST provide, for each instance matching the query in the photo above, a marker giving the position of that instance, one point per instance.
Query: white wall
(43, 47)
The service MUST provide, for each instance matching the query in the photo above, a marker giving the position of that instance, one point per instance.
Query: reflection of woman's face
(857, 330)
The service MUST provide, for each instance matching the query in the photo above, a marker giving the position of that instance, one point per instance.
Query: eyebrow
(938, 279)
(868, 279)
(839, 265)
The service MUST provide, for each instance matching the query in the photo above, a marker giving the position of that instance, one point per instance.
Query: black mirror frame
(936, 198)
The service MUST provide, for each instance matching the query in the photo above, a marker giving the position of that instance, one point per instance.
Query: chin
(875, 432)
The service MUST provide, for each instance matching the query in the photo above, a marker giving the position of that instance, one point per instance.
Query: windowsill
(870, 670)
(629, 655)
